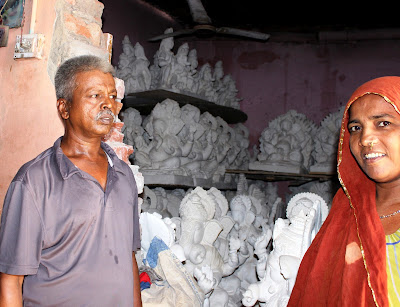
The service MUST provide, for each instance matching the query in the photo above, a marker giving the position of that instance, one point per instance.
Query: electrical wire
(5, 3)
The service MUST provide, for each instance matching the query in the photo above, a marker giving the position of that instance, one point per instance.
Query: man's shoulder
(35, 166)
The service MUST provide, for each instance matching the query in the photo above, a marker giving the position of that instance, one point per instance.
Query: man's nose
(108, 103)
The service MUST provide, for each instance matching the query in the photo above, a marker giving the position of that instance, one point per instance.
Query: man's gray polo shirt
(72, 239)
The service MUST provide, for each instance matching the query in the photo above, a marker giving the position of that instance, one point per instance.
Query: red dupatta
(346, 263)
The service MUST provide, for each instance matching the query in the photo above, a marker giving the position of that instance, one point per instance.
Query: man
(70, 223)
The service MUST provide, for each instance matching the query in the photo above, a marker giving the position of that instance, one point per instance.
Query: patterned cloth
(393, 267)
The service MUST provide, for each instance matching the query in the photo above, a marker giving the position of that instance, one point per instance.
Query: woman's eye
(354, 128)
(384, 123)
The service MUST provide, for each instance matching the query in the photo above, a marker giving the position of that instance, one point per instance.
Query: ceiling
(284, 16)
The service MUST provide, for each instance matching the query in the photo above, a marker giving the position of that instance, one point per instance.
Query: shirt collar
(117, 162)
(67, 168)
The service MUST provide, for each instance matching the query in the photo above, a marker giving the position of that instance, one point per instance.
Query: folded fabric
(144, 285)
(144, 277)
(178, 288)
(156, 246)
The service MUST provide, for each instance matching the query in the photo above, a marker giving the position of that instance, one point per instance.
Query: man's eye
(384, 123)
(94, 95)
(113, 97)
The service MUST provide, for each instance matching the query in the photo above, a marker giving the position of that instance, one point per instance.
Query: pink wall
(28, 119)
(316, 80)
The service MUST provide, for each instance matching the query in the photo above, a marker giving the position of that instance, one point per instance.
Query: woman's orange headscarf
(346, 263)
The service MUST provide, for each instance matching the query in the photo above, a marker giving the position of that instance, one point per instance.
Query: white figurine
(291, 238)
(191, 84)
(286, 144)
(140, 67)
(326, 143)
(205, 80)
(165, 58)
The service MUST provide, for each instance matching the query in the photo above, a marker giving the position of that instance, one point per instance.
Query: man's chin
(106, 136)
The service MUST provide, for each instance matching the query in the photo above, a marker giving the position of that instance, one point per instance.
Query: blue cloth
(144, 285)
(156, 246)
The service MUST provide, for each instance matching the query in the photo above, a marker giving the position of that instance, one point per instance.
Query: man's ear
(63, 108)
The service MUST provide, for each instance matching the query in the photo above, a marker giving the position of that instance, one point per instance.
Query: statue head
(139, 51)
(205, 72)
(167, 43)
(127, 47)
(221, 203)
(190, 114)
(286, 125)
(169, 112)
(183, 49)
(241, 212)
(304, 202)
(197, 205)
(218, 70)
(192, 59)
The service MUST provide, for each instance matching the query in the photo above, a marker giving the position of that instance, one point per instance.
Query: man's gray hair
(64, 80)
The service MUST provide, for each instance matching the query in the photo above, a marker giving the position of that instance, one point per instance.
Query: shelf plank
(296, 179)
(144, 102)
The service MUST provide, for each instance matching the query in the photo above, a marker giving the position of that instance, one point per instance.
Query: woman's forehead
(370, 103)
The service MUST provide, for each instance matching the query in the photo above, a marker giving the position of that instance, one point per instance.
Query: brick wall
(77, 31)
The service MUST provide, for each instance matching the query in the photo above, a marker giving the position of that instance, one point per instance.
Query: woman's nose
(368, 138)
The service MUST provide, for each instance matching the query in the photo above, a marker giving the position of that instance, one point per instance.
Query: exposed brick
(95, 33)
(120, 85)
(77, 25)
(115, 136)
(123, 151)
(115, 139)
(77, 31)
(93, 8)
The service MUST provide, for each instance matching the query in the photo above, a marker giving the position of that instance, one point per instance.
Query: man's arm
(11, 290)
(137, 298)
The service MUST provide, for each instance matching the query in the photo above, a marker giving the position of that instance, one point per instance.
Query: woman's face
(374, 127)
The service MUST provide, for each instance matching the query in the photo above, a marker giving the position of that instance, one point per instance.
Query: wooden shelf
(295, 179)
(144, 102)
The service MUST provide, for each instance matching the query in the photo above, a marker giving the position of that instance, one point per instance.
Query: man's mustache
(105, 112)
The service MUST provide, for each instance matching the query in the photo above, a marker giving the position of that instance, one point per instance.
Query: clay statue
(291, 238)
(124, 70)
(325, 144)
(179, 72)
(191, 84)
(205, 81)
(140, 67)
(199, 232)
(286, 144)
(165, 58)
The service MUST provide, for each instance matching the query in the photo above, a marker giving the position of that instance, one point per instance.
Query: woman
(352, 261)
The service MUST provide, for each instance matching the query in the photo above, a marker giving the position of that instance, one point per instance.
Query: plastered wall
(314, 79)
(28, 119)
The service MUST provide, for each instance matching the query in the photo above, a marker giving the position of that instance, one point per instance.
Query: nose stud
(371, 144)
